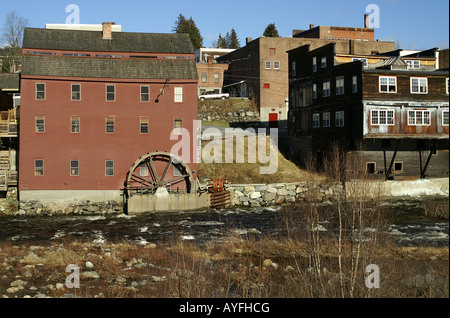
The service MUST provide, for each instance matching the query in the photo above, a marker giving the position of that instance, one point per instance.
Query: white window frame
(268, 65)
(314, 64)
(364, 61)
(316, 120)
(340, 118)
(204, 77)
(39, 168)
(420, 85)
(276, 65)
(177, 130)
(75, 123)
(326, 89)
(413, 64)
(323, 62)
(145, 94)
(326, 119)
(109, 170)
(388, 84)
(314, 91)
(178, 94)
(355, 84)
(74, 169)
(340, 82)
(444, 116)
(144, 123)
(109, 93)
(446, 86)
(384, 117)
(41, 92)
(38, 126)
(72, 92)
(216, 77)
(113, 121)
(413, 120)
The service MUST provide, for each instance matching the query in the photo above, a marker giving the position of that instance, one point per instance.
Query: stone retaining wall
(279, 193)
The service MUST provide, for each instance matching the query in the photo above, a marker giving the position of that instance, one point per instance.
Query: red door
(273, 120)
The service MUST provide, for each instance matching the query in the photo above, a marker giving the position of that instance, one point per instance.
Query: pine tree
(221, 42)
(271, 31)
(182, 25)
(234, 41)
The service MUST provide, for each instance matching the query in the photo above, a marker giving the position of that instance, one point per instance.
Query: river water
(409, 226)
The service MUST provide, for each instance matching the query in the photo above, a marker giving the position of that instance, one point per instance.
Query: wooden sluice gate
(219, 195)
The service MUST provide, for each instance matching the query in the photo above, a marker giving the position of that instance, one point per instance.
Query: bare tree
(12, 36)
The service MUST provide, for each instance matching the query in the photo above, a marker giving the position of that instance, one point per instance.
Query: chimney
(248, 40)
(311, 26)
(366, 21)
(107, 30)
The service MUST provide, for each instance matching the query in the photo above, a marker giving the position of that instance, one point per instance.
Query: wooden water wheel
(158, 169)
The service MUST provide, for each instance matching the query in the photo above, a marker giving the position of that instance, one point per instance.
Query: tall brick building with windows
(94, 102)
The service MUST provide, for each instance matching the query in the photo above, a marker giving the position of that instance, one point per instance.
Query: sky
(413, 24)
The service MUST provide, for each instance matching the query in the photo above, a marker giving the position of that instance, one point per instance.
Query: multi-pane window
(388, 84)
(145, 94)
(413, 64)
(419, 118)
(204, 77)
(314, 62)
(276, 65)
(323, 62)
(419, 85)
(76, 92)
(355, 84)
(178, 95)
(40, 124)
(326, 119)
(109, 168)
(445, 117)
(178, 126)
(382, 117)
(339, 119)
(314, 91)
(39, 167)
(268, 65)
(75, 125)
(144, 126)
(446, 86)
(74, 168)
(340, 85)
(316, 120)
(216, 78)
(326, 89)
(40, 91)
(110, 125)
(110, 93)
(364, 61)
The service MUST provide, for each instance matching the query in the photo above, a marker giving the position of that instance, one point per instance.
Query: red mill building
(94, 103)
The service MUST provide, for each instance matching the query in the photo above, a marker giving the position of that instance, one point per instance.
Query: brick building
(260, 69)
(389, 112)
(93, 102)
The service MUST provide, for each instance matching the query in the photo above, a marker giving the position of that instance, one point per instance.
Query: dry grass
(247, 172)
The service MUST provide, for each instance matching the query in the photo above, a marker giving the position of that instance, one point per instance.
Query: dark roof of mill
(9, 82)
(109, 68)
(78, 40)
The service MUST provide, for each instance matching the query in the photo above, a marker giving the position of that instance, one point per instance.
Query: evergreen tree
(183, 25)
(233, 40)
(221, 42)
(271, 31)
